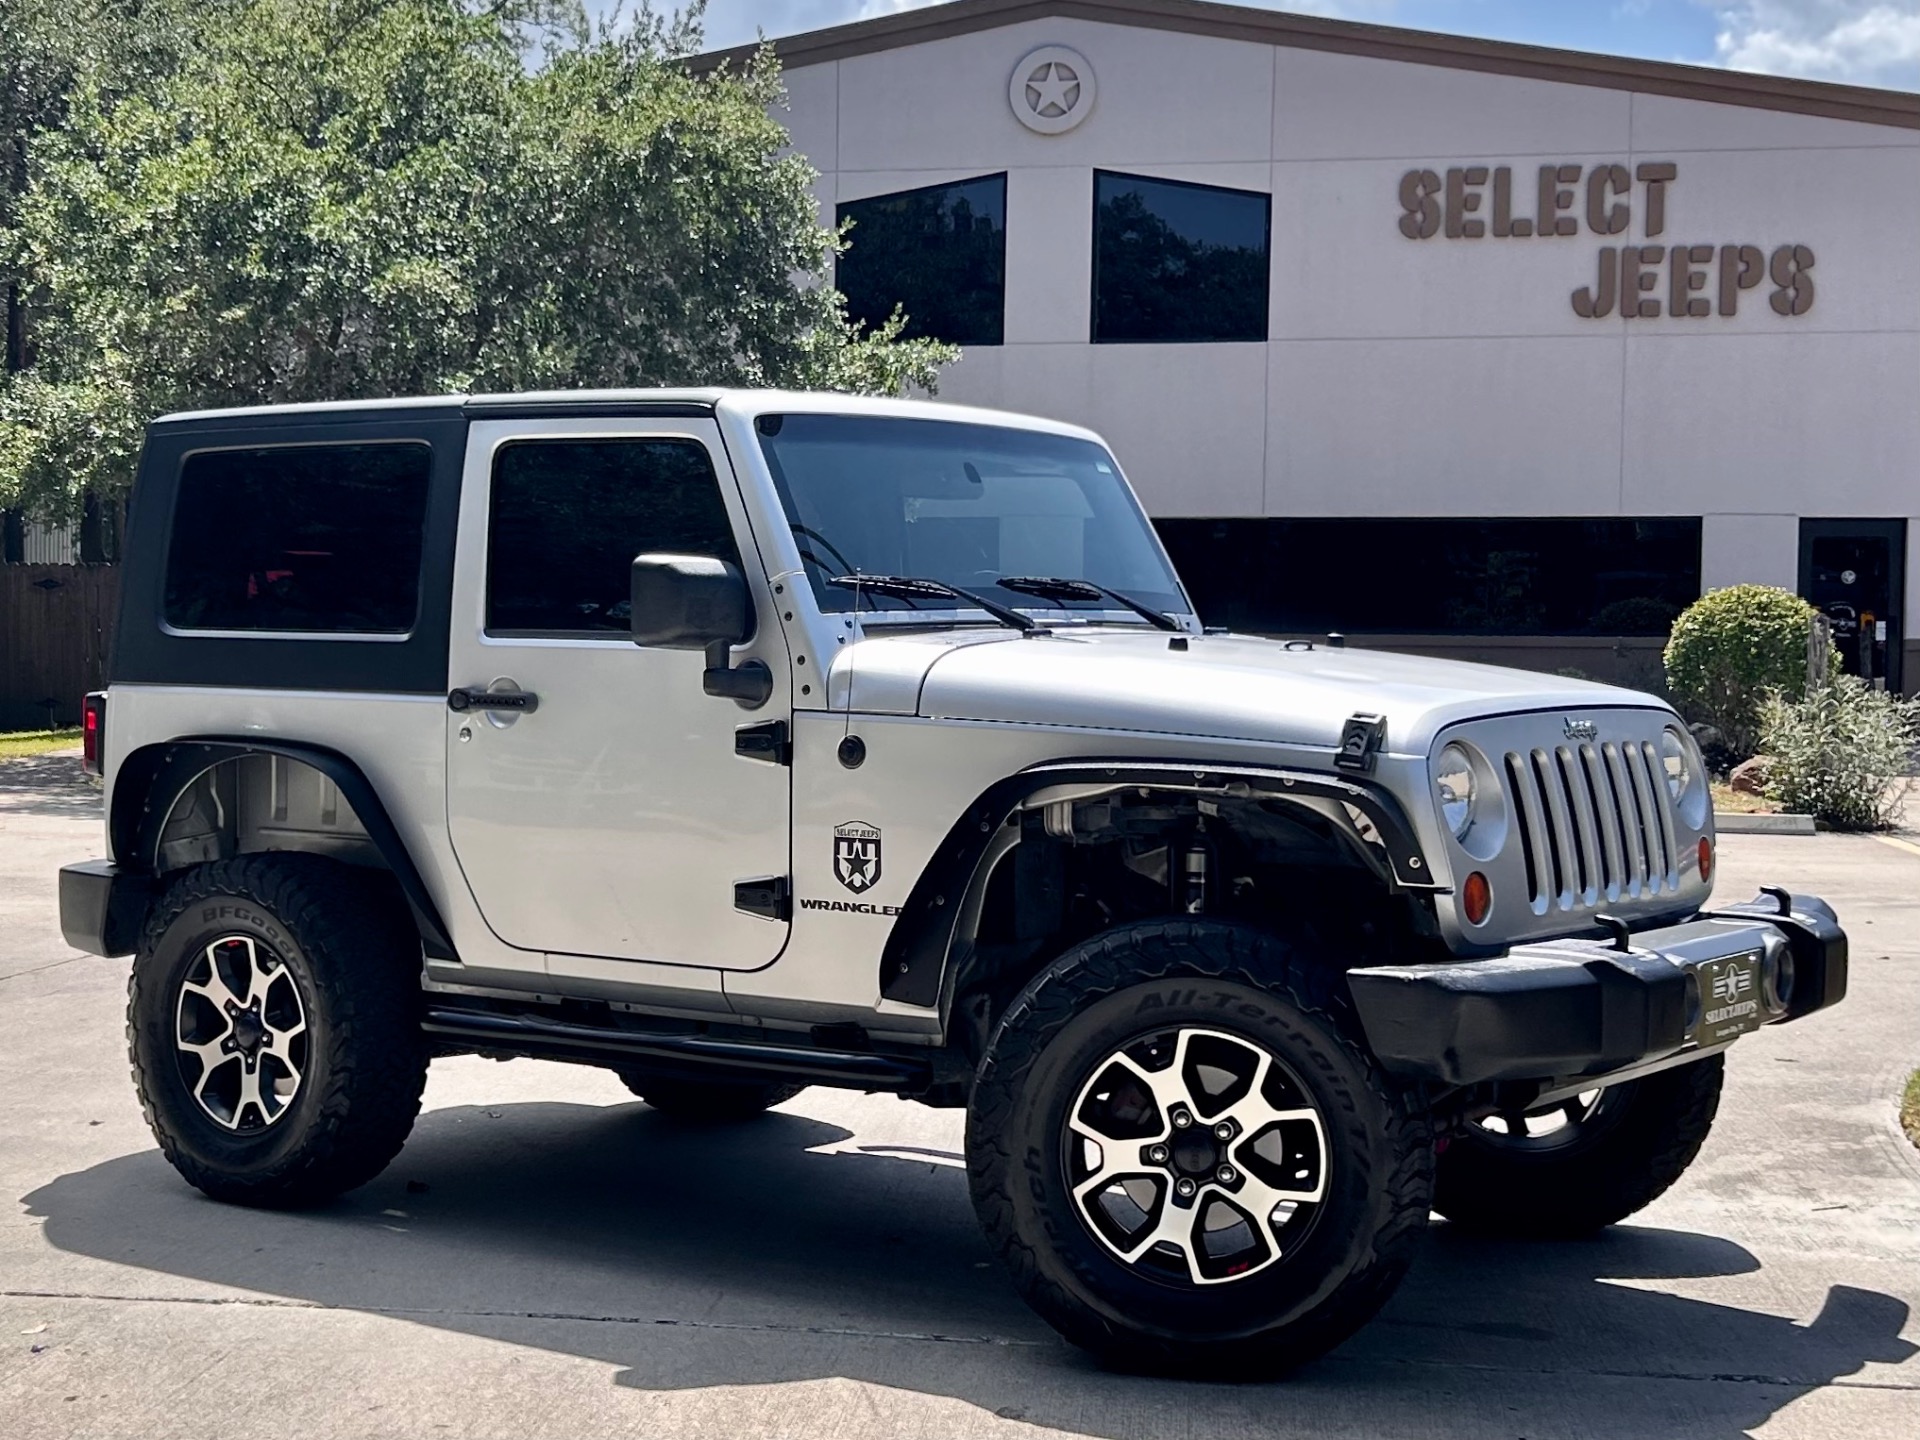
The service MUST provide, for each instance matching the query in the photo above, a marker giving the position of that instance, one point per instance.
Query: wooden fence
(56, 624)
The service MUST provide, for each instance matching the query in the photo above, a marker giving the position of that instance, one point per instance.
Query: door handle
(470, 697)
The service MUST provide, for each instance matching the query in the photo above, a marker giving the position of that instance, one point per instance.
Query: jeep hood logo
(1581, 729)
(856, 855)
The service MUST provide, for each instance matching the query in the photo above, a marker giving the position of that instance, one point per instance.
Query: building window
(1439, 577)
(309, 538)
(568, 517)
(940, 254)
(1178, 262)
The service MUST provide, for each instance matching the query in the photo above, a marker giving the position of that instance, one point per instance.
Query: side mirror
(688, 602)
(697, 602)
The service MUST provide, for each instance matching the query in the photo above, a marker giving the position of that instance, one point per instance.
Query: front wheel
(1186, 1157)
(1572, 1168)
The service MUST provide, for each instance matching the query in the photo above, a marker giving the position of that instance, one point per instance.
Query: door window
(568, 516)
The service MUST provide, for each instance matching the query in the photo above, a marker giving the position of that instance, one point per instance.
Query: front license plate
(1729, 999)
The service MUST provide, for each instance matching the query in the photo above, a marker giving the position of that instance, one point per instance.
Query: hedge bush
(1729, 649)
(1836, 752)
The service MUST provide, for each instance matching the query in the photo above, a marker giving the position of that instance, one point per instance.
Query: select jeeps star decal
(856, 855)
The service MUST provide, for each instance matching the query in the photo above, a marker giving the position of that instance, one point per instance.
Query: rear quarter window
(321, 539)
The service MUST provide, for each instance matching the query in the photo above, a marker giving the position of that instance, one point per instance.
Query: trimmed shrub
(1729, 649)
(1838, 750)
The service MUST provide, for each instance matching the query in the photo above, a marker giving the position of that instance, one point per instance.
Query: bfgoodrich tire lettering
(1206, 977)
(341, 940)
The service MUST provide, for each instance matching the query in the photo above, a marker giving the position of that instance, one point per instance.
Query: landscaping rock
(1749, 777)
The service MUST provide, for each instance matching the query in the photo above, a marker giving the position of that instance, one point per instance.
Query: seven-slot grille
(1595, 823)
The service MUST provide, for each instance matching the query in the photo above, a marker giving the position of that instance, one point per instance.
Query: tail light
(93, 731)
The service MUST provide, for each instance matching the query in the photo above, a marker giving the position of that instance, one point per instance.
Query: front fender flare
(913, 964)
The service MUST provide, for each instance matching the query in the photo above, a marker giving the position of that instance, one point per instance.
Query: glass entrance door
(1854, 572)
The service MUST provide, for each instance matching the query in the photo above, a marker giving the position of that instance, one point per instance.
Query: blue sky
(1860, 42)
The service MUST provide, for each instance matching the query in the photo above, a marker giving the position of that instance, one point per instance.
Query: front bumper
(1563, 1008)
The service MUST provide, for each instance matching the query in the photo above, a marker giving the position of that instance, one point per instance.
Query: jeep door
(614, 818)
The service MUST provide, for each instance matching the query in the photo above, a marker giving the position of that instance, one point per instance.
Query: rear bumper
(102, 907)
(1566, 1008)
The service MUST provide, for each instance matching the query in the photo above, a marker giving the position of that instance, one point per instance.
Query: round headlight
(1453, 784)
(1677, 761)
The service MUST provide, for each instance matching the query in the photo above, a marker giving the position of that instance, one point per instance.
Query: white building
(1474, 347)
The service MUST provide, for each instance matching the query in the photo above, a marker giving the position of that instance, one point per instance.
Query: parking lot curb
(1738, 823)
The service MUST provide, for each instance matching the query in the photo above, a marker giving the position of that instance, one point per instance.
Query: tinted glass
(963, 504)
(939, 253)
(1178, 262)
(568, 517)
(1440, 577)
(318, 538)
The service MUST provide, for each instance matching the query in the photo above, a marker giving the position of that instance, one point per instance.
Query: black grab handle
(467, 697)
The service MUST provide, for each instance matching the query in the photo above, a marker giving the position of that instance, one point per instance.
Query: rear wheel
(274, 1027)
(1186, 1157)
(708, 1102)
(1581, 1164)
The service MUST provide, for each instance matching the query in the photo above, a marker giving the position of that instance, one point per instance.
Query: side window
(568, 516)
(315, 538)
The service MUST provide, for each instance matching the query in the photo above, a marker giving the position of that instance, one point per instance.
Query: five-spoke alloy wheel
(241, 1031)
(273, 1016)
(1196, 1155)
(1186, 1157)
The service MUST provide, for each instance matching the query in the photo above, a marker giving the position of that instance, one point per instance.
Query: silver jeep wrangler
(741, 741)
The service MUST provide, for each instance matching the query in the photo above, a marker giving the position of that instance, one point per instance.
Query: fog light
(1692, 988)
(1476, 899)
(1706, 859)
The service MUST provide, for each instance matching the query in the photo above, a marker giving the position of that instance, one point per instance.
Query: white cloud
(1863, 42)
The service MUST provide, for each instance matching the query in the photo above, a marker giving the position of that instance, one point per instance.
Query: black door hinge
(766, 897)
(766, 741)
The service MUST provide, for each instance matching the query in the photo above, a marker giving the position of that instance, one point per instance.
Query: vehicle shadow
(691, 1258)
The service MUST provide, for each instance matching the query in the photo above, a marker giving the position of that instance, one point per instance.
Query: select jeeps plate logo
(856, 855)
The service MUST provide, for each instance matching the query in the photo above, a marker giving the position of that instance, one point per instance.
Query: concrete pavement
(550, 1258)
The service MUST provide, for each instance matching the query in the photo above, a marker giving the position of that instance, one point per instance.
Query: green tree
(331, 199)
(1733, 647)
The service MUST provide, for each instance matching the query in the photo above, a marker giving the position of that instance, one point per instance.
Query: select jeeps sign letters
(1686, 281)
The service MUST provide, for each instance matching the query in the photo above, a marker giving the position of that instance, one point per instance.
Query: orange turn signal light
(1476, 898)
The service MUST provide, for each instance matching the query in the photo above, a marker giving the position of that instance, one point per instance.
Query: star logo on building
(1051, 90)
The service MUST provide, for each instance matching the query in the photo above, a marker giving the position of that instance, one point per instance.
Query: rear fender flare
(150, 782)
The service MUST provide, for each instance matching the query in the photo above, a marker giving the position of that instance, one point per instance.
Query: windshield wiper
(1053, 587)
(910, 587)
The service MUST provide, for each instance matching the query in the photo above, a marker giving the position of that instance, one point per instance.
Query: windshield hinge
(1360, 739)
(766, 741)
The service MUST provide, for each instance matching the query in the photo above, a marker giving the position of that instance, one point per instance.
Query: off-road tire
(1134, 980)
(354, 954)
(1594, 1181)
(708, 1102)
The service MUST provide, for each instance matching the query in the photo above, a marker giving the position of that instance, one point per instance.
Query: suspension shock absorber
(1196, 871)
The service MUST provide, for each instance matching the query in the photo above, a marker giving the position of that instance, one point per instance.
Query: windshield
(964, 505)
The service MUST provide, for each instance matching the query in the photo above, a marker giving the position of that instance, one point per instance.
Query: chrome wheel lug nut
(1226, 1175)
(1223, 1131)
(1157, 1154)
(1181, 1119)
(1184, 1189)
